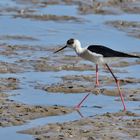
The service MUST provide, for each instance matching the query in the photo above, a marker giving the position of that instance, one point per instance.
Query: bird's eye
(70, 41)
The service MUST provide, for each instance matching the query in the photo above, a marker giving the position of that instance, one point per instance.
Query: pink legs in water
(79, 105)
(97, 74)
(118, 86)
(97, 84)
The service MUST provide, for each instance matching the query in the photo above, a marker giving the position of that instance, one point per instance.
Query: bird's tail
(132, 55)
(121, 54)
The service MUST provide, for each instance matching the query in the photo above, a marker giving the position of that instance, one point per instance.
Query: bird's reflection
(79, 113)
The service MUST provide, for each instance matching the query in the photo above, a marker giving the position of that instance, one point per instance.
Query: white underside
(96, 58)
(93, 57)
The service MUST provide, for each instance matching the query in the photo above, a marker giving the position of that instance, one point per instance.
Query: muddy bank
(49, 17)
(110, 7)
(29, 58)
(86, 84)
(6, 67)
(18, 37)
(107, 126)
(131, 28)
(72, 63)
(13, 113)
(104, 7)
(9, 83)
(36, 58)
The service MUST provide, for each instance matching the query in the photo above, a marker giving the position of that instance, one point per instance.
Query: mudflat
(36, 83)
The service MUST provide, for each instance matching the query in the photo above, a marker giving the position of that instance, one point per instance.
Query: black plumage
(107, 52)
(70, 41)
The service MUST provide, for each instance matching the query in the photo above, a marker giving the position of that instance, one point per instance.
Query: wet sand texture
(13, 113)
(131, 28)
(108, 126)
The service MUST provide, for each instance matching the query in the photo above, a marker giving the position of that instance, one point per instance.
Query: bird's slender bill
(60, 49)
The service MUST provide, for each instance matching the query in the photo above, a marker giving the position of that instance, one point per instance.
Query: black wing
(107, 52)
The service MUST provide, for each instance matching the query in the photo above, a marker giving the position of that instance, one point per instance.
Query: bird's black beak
(60, 49)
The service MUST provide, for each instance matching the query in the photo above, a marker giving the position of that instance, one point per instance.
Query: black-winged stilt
(99, 55)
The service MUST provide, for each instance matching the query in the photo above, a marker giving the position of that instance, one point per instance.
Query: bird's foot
(77, 107)
(97, 84)
(124, 110)
(97, 90)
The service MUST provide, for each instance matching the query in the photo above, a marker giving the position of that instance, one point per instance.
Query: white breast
(93, 57)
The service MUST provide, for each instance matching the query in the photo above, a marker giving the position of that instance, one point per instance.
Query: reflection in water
(81, 115)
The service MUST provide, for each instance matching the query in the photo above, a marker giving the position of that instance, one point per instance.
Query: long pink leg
(97, 74)
(118, 86)
(79, 105)
(97, 84)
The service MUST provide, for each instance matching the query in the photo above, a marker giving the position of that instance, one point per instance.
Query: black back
(107, 52)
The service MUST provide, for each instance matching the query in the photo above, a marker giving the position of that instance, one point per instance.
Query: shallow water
(47, 33)
(91, 30)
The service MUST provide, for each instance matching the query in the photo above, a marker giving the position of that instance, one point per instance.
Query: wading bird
(99, 55)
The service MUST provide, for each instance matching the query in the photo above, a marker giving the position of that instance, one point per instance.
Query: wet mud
(110, 7)
(13, 113)
(131, 28)
(83, 84)
(49, 17)
(105, 7)
(9, 83)
(107, 126)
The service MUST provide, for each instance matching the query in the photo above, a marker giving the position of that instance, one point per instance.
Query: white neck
(78, 49)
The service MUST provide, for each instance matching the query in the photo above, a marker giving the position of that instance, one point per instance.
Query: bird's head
(71, 43)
